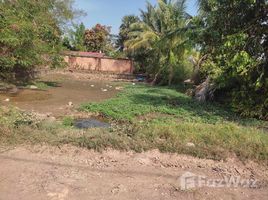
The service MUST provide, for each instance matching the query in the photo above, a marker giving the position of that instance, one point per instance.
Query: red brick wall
(91, 63)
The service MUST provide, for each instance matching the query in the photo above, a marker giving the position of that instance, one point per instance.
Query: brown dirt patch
(43, 172)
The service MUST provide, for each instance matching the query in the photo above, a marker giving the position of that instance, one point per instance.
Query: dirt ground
(43, 172)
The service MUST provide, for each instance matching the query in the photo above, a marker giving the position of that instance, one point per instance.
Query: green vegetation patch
(142, 99)
(145, 118)
(42, 85)
(163, 118)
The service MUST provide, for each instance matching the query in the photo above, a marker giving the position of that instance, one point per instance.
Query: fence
(97, 62)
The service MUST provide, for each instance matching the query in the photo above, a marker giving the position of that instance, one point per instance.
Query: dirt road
(42, 172)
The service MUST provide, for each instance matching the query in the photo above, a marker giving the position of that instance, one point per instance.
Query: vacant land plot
(142, 117)
(145, 120)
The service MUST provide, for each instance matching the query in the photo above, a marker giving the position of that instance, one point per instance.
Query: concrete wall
(120, 66)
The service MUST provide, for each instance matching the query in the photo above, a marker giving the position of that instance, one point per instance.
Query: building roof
(84, 54)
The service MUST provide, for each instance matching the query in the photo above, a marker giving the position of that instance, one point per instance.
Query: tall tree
(124, 31)
(76, 39)
(154, 33)
(30, 33)
(235, 39)
(97, 38)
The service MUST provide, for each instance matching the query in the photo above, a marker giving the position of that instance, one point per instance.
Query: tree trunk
(171, 74)
(204, 91)
(155, 79)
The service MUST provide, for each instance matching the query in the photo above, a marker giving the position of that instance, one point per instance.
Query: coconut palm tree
(127, 21)
(158, 33)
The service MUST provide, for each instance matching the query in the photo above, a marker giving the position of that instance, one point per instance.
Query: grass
(68, 121)
(163, 118)
(145, 118)
(142, 99)
(44, 85)
(41, 85)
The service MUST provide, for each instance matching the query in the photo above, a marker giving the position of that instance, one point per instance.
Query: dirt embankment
(43, 172)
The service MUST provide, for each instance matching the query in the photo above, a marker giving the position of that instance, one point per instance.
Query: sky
(111, 12)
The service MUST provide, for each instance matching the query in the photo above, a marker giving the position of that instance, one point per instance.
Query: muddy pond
(61, 92)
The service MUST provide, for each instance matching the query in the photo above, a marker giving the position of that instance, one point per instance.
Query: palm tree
(127, 21)
(158, 32)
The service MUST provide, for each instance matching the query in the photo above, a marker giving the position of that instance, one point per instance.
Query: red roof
(85, 54)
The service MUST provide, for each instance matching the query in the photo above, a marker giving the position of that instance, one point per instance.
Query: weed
(68, 121)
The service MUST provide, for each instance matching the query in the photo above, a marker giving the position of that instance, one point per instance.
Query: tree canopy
(30, 32)
(97, 38)
(75, 39)
(124, 30)
(234, 36)
(153, 35)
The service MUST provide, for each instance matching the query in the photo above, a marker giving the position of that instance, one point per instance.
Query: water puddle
(90, 123)
(26, 95)
(59, 93)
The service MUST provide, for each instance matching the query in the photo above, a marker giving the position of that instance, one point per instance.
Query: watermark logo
(189, 181)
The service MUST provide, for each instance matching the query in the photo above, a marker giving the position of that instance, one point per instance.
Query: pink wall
(121, 66)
